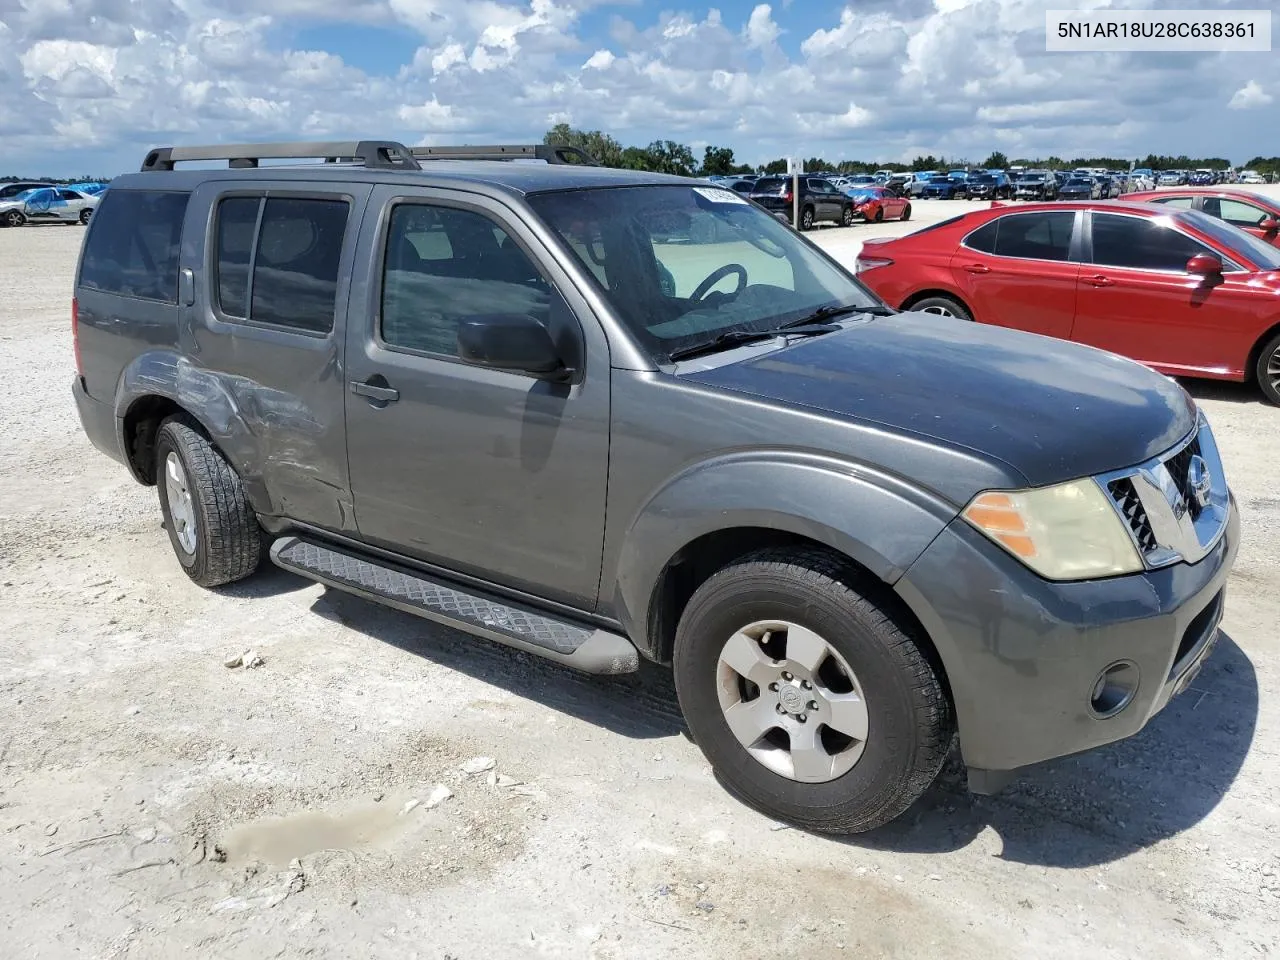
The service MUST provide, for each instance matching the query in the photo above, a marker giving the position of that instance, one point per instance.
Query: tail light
(787, 196)
(863, 264)
(75, 335)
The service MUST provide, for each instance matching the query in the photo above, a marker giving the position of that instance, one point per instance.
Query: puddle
(277, 840)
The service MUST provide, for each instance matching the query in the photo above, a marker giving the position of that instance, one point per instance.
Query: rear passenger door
(1017, 271)
(266, 276)
(491, 473)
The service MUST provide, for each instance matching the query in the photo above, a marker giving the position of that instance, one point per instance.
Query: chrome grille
(1175, 506)
(1126, 499)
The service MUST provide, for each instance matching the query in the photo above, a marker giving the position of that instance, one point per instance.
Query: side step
(585, 648)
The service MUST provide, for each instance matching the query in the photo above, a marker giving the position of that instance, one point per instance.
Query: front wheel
(84, 217)
(880, 215)
(14, 218)
(846, 218)
(212, 527)
(906, 212)
(1268, 370)
(806, 218)
(812, 703)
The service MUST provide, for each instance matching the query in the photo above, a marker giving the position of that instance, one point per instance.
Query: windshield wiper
(731, 338)
(829, 313)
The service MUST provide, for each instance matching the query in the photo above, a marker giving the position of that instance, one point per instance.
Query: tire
(1267, 370)
(943, 305)
(846, 218)
(84, 217)
(907, 726)
(14, 218)
(806, 218)
(219, 541)
(906, 212)
(880, 215)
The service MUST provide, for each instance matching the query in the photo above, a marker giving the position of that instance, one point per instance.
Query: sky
(87, 86)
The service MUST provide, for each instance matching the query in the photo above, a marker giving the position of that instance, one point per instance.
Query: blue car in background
(948, 187)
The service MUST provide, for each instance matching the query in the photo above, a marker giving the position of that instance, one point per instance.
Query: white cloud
(1249, 97)
(883, 79)
(760, 31)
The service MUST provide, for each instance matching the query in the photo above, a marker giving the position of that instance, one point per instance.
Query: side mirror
(1269, 225)
(510, 341)
(1204, 265)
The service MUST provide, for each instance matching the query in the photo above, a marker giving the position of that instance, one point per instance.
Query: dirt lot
(156, 803)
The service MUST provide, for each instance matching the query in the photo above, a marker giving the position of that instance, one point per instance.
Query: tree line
(14, 178)
(668, 156)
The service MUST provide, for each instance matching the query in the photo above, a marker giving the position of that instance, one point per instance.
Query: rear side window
(984, 238)
(277, 260)
(1035, 236)
(133, 245)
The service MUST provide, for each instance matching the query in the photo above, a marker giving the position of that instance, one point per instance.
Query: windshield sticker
(717, 195)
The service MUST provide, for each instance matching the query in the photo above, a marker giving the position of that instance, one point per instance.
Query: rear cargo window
(294, 260)
(133, 244)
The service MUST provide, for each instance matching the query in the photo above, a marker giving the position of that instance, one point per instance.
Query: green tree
(602, 147)
(667, 156)
(718, 161)
(997, 161)
(776, 167)
(925, 163)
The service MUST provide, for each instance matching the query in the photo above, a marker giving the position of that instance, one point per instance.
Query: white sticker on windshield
(718, 195)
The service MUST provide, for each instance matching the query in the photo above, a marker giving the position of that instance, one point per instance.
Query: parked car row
(821, 201)
(1188, 284)
(22, 203)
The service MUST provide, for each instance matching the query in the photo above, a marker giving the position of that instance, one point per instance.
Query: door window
(1141, 244)
(296, 247)
(443, 265)
(1184, 203)
(1235, 212)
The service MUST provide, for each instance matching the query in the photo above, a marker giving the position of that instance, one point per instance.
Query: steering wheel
(705, 286)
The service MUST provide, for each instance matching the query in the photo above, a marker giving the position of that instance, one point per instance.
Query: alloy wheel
(792, 701)
(182, 511)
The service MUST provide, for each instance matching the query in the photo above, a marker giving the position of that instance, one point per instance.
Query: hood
(1050, 409)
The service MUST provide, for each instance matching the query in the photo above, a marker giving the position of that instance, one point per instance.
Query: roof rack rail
(549, 152)
(381, 154)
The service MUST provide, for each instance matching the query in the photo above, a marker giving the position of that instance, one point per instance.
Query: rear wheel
(846, 218)
(943, 306)
(211, 525)
(1268, 369)
(810, 701)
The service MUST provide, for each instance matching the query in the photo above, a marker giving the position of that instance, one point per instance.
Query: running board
(589, 649)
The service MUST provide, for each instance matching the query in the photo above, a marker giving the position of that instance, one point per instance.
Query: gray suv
(604, 415)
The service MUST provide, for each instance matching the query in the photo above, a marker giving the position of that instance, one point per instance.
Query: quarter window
(291, 277)
(444, 265)
(133, 244)
(1141, 244)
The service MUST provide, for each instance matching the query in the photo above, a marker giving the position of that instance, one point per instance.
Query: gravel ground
(154, 802)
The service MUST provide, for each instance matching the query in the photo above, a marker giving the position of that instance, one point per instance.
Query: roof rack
(549, 152)
(381, 154)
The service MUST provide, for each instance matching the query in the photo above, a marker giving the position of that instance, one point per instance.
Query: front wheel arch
(1253, 369)
(920, 295)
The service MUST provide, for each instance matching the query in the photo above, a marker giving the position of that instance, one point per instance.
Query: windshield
(1235, 240)
(680, 264)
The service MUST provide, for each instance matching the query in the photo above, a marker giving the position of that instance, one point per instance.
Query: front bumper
(1022, 654)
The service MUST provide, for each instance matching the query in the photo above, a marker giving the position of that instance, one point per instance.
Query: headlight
(1065, 532)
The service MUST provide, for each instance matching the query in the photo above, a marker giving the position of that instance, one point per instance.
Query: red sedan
(1175, 289)
(1251, 212)
(875, 204)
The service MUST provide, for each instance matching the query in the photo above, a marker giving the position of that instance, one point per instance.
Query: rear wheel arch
(921, 295)
(139, 428)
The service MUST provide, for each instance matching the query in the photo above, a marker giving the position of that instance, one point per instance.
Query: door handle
(375, 392)
(1099, 280)
(977, 268)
